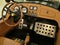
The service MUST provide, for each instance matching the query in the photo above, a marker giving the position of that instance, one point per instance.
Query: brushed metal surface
(45, 29)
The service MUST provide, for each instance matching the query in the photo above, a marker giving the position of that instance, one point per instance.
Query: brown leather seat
(6, 41)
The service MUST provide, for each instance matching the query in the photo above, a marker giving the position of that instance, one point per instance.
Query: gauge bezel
(26, 9)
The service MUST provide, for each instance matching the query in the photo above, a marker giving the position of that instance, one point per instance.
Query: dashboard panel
(36, 17)
(38, 10)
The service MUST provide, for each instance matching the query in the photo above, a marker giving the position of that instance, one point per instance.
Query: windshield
(37, 0)
(51, 3)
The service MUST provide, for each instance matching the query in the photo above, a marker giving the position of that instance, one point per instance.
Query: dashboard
(31, 9)
(40, 21)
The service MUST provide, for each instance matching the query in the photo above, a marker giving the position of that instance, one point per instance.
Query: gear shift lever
(27, 39)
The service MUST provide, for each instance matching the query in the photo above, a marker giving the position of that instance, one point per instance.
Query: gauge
(35, 8)
(4, 13)
(5, 9)
(24, 10)
(16, 8)
(31, 7)
(8, 5)
(0, 16)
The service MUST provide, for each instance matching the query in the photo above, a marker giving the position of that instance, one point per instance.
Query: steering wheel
(14, 15)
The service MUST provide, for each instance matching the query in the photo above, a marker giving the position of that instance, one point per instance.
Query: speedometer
(24, 10)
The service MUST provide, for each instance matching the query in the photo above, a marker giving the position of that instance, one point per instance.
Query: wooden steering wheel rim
(7, 15)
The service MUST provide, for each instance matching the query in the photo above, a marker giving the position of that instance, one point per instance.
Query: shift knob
(27, 39)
